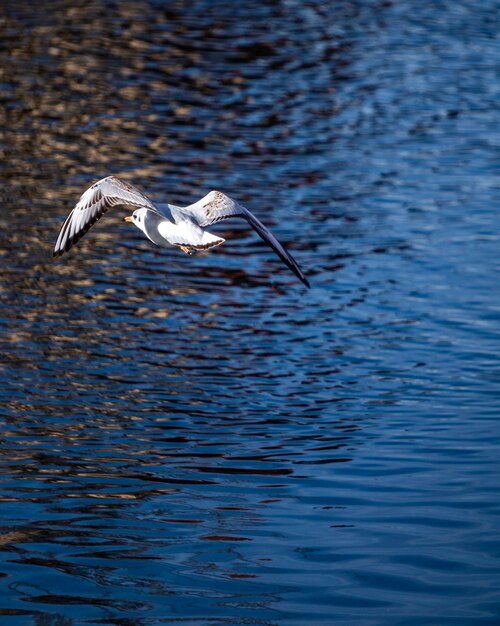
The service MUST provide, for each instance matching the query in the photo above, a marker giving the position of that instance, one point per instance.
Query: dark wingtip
(306, 282)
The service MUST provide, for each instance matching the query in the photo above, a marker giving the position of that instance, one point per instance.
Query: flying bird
(171, 225)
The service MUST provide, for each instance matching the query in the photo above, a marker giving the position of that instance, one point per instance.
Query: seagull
(183, 227)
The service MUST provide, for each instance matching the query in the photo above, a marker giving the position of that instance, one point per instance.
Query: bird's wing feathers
(216, 206)
(92, 205)
(213, 208)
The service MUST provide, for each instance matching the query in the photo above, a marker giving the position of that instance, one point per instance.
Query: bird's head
(138, 218)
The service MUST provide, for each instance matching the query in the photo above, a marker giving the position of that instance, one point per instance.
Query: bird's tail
(208, 240)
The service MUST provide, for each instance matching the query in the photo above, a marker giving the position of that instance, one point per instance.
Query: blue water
(201, 440)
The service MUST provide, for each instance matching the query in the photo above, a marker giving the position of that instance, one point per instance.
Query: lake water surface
(201, 440)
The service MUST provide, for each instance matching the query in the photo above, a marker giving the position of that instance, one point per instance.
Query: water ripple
(197, 440)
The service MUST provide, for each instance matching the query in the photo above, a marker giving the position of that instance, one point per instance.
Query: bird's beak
(128, 219)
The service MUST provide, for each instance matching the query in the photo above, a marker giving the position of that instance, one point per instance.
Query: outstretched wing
(216, 206)
(92, 205)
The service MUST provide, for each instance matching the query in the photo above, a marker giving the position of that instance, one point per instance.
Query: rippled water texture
(202, 440)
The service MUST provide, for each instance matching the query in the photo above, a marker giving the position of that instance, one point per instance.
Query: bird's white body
(174, 233)
(184, 233)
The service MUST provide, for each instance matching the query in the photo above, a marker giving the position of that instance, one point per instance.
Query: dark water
(202, 440)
